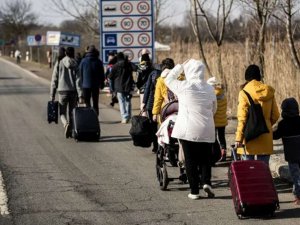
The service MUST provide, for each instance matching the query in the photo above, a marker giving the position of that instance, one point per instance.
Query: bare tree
(215, 26)
(289, 8)
(161, 13)
(261, 11)
(16, 17)
(84, 11)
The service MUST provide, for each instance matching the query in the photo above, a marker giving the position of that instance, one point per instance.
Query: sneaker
(67, 130)
(208, 191)
(124, 121)
(193, 197)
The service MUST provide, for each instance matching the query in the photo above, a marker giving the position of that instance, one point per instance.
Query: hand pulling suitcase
(85, 124)
(252, 188)
(52, 111)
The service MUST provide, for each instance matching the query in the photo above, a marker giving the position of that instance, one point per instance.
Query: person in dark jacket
(143, 71)
(92, 76)
(122, 81)
(289, 126)
(148, 101)
(112, 60)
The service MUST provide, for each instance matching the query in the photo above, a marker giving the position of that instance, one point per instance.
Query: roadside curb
(280, 167)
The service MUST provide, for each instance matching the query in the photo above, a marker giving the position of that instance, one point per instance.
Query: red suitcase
(252, 188)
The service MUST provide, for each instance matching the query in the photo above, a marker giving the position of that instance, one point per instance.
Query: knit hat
(212, 81)
(145, 57)
(289, 107)
(252, 73)
(165, 73)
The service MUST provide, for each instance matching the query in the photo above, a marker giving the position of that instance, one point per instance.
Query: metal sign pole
(38, 52)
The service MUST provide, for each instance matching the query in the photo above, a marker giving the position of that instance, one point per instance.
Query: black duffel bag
(141, 131)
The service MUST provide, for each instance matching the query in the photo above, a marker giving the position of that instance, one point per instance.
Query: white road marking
(3, 198)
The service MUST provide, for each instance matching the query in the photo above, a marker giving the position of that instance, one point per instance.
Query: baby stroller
(169, 151)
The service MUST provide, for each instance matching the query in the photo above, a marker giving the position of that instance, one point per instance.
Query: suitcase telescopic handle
(234, 150)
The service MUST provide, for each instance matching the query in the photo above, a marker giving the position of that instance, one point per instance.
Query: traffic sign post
(126, 26)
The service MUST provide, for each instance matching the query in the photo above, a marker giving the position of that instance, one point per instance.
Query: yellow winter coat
(220, 117)
(264, 95)
(160, 95)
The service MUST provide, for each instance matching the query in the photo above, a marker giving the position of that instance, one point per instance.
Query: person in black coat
(122, 81)
(143, 71)
(92, 77)
(287, 128)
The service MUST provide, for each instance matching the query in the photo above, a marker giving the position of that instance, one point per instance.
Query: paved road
(52, 180)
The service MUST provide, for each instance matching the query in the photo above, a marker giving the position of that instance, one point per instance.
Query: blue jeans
(295, 174)
(264, 158)
(125, 105)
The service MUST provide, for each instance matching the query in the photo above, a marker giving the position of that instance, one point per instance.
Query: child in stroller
(168, 150)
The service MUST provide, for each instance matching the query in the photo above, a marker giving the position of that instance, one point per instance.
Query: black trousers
(197, 163)
(220, 136)
(93, 93)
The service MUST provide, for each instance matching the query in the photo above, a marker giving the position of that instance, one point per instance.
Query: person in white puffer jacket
(194, 126)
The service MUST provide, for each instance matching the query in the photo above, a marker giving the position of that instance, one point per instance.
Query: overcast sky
(47, 15)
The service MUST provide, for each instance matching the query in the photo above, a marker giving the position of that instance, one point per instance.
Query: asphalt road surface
(53, 180)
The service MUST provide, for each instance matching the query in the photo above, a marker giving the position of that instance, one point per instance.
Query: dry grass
(279, 72)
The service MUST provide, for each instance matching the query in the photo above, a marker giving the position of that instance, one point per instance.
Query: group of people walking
(201, 118)
(76, 82)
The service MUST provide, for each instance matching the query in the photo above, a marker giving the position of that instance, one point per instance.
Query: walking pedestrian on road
(148, 100)
(144, 69)
(18, 56)
(122, 80)
(66, 81)
(289, 130)
(91, 72)
(262, 146)
(194, 125)
(161, 90)
(220, 117)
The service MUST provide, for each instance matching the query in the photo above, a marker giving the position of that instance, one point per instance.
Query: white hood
(194, 70)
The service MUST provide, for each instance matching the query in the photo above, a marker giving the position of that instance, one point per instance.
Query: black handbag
(256, 123)
(141, 131)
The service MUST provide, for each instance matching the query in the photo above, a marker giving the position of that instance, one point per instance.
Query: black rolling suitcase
(52, 111)
(85, 124)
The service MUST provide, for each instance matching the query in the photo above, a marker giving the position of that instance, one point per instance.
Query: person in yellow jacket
(161, 90)
(220, 116)
(262, 146)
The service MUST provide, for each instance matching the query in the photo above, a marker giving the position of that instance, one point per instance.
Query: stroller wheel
(162, 176)
(165, 179)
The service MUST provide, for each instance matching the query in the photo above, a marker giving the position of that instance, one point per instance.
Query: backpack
(256, 123)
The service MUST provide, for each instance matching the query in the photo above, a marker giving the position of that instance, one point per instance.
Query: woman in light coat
(194, 126)
(262, 146)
